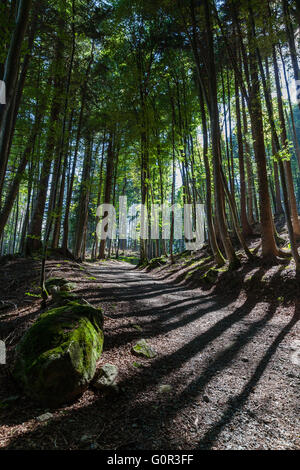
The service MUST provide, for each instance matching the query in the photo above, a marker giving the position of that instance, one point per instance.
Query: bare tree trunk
(215, 136)
(108, 188)
(246, 228)
(269, 248)
(219, 259)
(82, 216)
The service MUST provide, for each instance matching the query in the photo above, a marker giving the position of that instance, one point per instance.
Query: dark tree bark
(108, 188)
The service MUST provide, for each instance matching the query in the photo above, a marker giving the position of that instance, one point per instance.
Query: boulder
(68, 287)
(55, 281)
(142, 348)
(61, 297)
(56, 284)
(56, 358)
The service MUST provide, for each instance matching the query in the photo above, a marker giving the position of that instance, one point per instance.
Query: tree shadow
(137, 418)
(238, 401)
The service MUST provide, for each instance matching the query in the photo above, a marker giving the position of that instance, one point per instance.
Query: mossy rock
(68, 287)
(56, 358)
(54, 284)
(142, 348)
(60, 298)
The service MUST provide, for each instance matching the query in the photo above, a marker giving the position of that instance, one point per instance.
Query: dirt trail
(231, 363)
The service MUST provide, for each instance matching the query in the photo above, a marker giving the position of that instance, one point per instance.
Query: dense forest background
(126, 344)
(162, 101)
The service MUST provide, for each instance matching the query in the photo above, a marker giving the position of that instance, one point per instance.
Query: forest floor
(229, 354)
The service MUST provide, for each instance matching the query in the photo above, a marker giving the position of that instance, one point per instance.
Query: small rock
(165, 389)
(144, 349)
(106, 377)
(244, 359)
(206, 399)
(44, 417)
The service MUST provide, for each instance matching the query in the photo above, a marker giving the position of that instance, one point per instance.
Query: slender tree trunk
(108, 189)
(211, 229)
(246, 228)
(84, 196)
(269, 248)
(215, 136)
(94, 254)
(249, 169)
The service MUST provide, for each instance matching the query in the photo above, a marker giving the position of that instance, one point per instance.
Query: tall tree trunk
(215, 136)
(269, 247)
(84, 196)
(94, 254)
(211, 229)
(108, 188)
(249, 169)
(246, 228)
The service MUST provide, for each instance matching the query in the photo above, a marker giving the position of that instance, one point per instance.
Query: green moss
(62, 297)
(56, 358)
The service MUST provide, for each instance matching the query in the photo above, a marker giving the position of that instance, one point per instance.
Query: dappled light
(149, 228)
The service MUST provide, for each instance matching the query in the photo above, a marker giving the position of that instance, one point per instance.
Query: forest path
(230, 363)
(228, 360)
